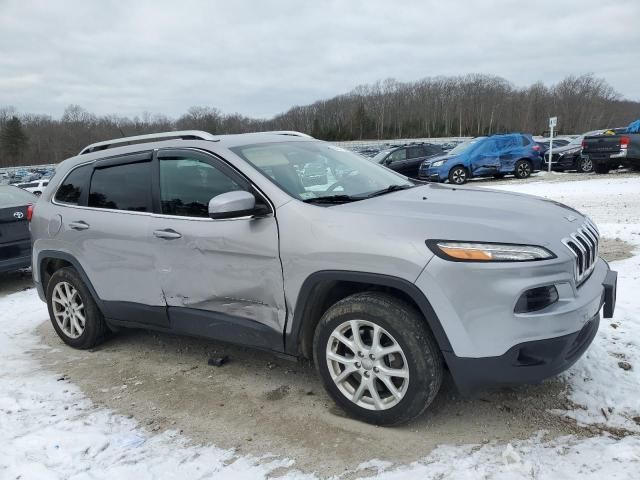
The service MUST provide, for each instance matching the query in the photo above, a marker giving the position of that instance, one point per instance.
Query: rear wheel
(523, 169)
(585, 165)
(601, 168)
(74, 314)
(458, 175)
(377, 358)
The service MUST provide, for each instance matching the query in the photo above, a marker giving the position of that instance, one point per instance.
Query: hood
(437, 211)
(565, 149)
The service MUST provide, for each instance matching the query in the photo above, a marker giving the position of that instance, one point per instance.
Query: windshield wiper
(332, 199)
(389, 189)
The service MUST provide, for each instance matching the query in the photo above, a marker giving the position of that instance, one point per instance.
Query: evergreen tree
(13, 140)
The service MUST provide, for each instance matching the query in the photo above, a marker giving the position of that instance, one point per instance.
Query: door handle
(167, 234)
(79, 225)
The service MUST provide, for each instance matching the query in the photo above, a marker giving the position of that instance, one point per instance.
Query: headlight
(487, 252)
(438, 163)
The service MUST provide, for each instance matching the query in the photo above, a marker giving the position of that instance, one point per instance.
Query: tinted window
(73, 186)
(122, 187)
(398, 155)
(187, 185)
(415, 152)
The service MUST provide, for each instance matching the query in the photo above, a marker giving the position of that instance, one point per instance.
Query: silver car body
(256, 269)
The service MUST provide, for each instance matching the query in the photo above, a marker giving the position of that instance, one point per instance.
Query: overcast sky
(261, 57)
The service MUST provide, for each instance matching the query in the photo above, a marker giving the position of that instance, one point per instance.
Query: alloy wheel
(367, 365)
(586, 165)
(524, 169)
(68, 309)
(458, 176)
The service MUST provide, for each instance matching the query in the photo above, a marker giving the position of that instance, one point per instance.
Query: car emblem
(18, 215)
(571, 218)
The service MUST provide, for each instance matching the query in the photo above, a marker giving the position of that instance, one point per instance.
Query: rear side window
(187, 185)
(74, 185)
(415, 152)
(525, 141)
(122, 187)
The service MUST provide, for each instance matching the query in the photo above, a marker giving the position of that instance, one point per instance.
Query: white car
(36, 187)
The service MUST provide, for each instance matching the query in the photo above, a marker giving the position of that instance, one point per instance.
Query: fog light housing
(536, 299)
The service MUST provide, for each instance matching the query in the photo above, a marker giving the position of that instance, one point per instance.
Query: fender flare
(55, 254)
(293, 336)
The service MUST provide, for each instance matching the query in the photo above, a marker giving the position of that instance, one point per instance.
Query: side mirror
(232, 205)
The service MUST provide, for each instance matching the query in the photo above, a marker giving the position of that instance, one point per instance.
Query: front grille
(583, 245)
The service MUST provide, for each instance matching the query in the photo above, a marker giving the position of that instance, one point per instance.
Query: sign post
(553, 121)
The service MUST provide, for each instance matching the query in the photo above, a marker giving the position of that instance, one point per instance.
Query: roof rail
(291, 133)
(184, 135)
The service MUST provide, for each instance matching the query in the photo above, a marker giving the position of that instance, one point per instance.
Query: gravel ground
(257, 403)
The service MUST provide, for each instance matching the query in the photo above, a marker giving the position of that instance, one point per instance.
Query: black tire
(601, 168)
(635, 168)
(584, 165)
(523, 169)
(408, 330)
(37, 194)
(458, 175)
(95, 328)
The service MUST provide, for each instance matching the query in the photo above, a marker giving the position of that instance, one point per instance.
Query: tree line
(469, 105)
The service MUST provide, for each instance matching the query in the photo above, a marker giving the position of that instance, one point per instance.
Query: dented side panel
(225, 266)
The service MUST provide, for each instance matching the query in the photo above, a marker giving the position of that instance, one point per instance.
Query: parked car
(36, 187)
(608, 152)
(382, 280)
(407, 159)
(496, 155)
(16, 206)
(570, 156)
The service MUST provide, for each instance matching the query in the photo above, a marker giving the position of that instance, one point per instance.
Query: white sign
(553, 121)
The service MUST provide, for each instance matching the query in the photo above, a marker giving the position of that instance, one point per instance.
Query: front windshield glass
(311, 170)
(463, 146)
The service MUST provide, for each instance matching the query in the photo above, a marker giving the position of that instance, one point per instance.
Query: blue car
(493, 156)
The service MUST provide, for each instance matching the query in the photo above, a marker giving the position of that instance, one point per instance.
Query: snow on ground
(48, 429)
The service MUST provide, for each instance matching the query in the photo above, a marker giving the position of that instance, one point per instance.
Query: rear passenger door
(220, 278)
(106, 225)
(415, 157)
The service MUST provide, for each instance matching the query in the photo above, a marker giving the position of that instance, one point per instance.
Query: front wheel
(377, 358)
(458, 175)
(585, 165)
(523, 169)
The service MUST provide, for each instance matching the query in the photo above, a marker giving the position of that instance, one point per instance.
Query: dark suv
(407, 159)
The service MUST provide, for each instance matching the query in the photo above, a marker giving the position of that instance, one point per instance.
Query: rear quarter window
(72, 188)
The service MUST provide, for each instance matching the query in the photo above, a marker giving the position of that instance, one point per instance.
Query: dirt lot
(259, 404)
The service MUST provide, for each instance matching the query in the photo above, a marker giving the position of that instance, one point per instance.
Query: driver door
(220, 278)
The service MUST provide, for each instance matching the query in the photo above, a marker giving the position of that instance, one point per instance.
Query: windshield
(14, 197)
(463, 146)
(312, 170)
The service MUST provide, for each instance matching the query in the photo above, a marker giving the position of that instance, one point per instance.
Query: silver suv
(383, 281)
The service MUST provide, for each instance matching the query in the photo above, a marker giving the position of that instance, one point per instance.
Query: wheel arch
(322, 289)
(49, 261)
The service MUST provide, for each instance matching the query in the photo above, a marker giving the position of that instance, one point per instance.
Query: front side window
(398, 155)
(187, 185)
(122, 187)
(74, 185)
(342, 172)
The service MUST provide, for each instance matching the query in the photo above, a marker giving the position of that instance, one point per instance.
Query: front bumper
(433, 174)
(526, 363)
(490, 344)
